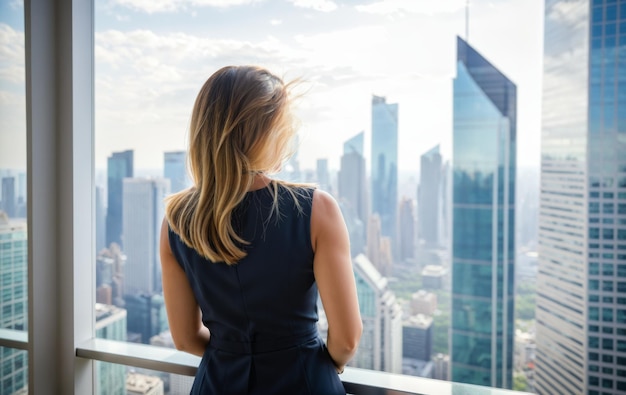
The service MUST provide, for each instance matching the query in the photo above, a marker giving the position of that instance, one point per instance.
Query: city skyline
(131, 108)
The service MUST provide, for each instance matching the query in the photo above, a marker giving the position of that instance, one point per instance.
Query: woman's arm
(335, 279)
(183, 313)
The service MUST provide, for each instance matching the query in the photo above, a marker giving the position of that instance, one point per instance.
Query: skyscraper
(429, 197)
(407, 229)
(385, 164)
(100, 220)
(483, 243)
(355, 144)
(13, 304)
(581, 280)
(119, 166)
(175, 169)
(8, 196)
(323, 177)
(110, 324)
(380, 347)
(352, 192)
(143, 214)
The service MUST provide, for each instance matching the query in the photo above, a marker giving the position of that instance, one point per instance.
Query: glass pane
(14, 373)
(114, 379)
(379, 125)
(13, 196)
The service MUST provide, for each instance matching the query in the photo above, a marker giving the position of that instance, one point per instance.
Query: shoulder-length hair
(241, 125)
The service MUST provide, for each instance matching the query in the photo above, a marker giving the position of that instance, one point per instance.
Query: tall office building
(385, 164)
(581, 280)
(13, 304)
(417, 337)
(143, 214)
(355, 144)
(111, 325)
(323, 176)
(352, 192)
(8, 196)
(483, 243)
(110, 264)
(101, 215)
(406, 237)
(119, 166)
(373, 241)
(380, 347)
(146, 316)
(175, 169)
(429, 198)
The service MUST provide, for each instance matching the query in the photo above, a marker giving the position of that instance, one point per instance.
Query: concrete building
(423, 302)
(381, 342)
(142, 384)
(434, 277)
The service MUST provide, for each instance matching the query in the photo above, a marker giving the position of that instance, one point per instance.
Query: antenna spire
(467, 21)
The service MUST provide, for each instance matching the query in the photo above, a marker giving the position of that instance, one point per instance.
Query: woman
(243, 256)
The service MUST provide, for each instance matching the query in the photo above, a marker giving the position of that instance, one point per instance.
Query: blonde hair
(241, 125)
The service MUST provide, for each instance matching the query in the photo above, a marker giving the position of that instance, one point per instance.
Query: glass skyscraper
(581, 281)
(13, 300)
(429, 196)
(175, 168)
(119, 166)
(385, 163)
(483, 241)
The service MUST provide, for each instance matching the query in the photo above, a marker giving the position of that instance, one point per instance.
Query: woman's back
(262, 311)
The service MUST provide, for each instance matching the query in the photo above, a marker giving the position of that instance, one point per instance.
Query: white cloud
(318, 5)
(276, 22)
(399, 7)
(17, 4)
(157, 6)
(11, 55)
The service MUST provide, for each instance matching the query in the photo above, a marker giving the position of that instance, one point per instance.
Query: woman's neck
(260, 181)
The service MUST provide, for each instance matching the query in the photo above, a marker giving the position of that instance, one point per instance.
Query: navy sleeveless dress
(262, 311)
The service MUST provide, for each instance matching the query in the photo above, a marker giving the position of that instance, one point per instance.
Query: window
(13, 197)
(147, 116)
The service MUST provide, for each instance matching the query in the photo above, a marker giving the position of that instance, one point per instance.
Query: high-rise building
(110, 264)
(441, 367)
(100, 220)
(483, 243)
(373, 241)
(13, 304)
(423, 302)
(146, 316)
(352, 192)
(429, 198)
(175, 169)
(581, 279)
(417, 337)
(119, 166)
(8, 196)
(406, 237)
(381, 342)
(384, 158)
(323, 176)
(143, 215)
(111, 325)
(355, 144)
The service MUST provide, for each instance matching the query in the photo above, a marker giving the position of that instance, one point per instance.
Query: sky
(152, 57)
